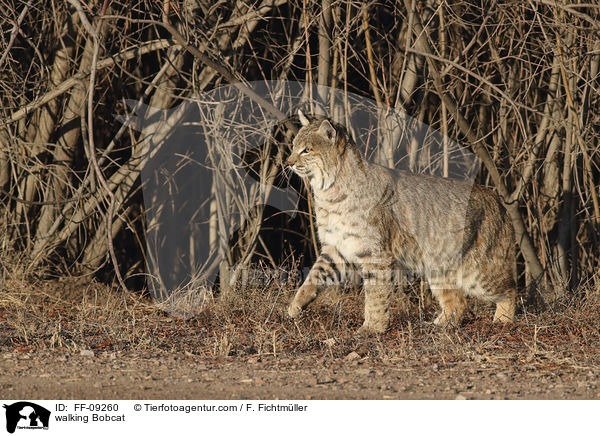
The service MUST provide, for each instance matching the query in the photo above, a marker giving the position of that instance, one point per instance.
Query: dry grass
(74, 315)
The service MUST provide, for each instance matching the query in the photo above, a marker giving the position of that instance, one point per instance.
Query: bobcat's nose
(291, 160)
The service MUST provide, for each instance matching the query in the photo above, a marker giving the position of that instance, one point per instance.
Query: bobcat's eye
(306, 150)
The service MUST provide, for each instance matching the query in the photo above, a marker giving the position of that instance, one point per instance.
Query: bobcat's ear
(327, 130)
(303, 120)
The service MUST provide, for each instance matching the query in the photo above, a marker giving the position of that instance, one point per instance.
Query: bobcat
(457, 236)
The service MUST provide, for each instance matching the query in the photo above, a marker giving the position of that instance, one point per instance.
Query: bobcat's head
(317, 151)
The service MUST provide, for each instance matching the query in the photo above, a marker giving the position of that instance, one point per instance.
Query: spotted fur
(457, 236)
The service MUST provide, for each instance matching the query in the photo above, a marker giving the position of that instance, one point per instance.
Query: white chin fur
(327, 183)
(321, 181)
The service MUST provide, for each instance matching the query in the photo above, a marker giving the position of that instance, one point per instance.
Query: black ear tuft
(327, 130)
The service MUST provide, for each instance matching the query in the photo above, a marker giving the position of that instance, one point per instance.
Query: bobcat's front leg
(326, 272)
(378, 283)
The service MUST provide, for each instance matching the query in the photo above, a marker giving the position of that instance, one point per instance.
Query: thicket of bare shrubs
(516, 81)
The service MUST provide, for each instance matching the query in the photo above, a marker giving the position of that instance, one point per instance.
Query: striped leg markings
(378, 287)
(328, 270)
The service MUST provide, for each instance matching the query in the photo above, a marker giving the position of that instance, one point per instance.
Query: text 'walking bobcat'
(457, 236)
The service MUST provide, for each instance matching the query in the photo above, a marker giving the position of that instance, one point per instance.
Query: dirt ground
(71, 340)
(161, 376)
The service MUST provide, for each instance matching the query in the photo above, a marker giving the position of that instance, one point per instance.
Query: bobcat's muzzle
(291, 160)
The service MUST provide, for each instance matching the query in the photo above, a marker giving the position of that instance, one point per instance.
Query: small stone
(87, 353)
(352, 356)
(324, 380)
(460, 397)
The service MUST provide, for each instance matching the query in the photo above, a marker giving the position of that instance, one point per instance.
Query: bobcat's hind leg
(452, 302)
(326, 271)
(505, 307)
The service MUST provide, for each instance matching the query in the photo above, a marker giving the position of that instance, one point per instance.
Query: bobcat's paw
(505, 311)
(445, 321)
(368, 330)
(294, 310)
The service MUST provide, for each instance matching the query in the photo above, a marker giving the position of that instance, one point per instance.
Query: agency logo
(26, 415)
